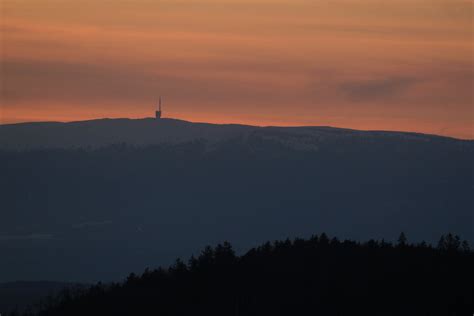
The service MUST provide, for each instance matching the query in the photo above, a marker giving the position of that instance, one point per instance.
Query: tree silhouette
(442, 243)
(465, 246)
(402, 240)
(449, 242)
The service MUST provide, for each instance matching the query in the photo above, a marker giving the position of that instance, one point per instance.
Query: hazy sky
(365, 64)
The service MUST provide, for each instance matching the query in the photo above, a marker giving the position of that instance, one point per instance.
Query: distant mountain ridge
(94, 200)
(103, 132)
(149, 131)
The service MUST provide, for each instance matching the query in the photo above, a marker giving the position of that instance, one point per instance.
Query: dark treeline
(316, 276)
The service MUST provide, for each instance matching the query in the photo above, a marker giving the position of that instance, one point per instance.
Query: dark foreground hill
(317, 276)
(94, 200)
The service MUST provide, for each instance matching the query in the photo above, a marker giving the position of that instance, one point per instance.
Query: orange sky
(364, 64)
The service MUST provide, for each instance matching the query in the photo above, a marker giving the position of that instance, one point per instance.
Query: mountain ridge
(119, 207)
(149, 131)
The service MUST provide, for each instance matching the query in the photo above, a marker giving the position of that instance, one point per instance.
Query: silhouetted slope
(317, 276)
(119, 207)
(149, 131)
(104, 132)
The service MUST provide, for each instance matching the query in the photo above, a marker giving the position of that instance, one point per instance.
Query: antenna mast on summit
(158, 113)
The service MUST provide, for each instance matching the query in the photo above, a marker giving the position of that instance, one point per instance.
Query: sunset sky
(364, 64)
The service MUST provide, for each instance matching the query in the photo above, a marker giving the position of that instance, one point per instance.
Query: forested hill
(317, 276)
(104, 132)
(149, 131)
(124, 193)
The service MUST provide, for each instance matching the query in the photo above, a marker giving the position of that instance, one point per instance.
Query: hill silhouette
(106, 132)
(81, 202)
(149, 131)
(315, 276)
